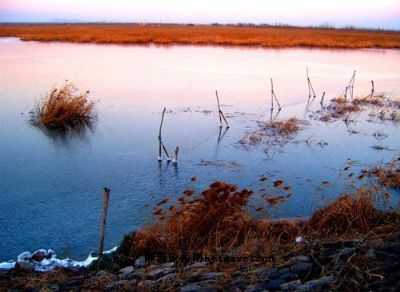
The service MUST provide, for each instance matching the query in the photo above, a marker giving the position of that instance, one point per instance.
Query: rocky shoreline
(362, 263)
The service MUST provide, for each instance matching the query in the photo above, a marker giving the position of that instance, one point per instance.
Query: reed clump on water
(64, 108)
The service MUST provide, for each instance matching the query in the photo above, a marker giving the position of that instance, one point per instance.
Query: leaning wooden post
(353, 79)
(106, 197)
(272, 95)
(219, 109)
(322, 98)
(160, 145)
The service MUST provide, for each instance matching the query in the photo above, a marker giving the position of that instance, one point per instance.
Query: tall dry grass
(274, 37)
(63, 108)
(218, 222)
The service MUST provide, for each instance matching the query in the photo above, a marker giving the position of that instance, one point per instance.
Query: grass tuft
(63, 108)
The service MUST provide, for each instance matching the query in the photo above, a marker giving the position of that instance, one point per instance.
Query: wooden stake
(160, 143)
(322, 98)
(106, 197)
(351, 84)
(310, 87)
(219, 109)
(159, 135)
(273, 96)
(372, 89)
(220, 113)
(175, 160)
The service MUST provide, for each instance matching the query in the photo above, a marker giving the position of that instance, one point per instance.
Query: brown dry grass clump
(375, 101)
(274, 37)
(348, 215)
(217, 223)
(286, 127)
(63, 108)
(388, 175)
(339, 107)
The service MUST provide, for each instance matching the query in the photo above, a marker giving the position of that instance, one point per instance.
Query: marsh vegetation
(271, 37)
(64, 108)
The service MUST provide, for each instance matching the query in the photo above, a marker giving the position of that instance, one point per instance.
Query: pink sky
(364, 13)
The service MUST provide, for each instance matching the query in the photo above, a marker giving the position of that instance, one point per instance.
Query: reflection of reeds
(64, 108)
(204, 34)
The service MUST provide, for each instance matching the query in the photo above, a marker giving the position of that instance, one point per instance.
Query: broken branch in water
(350, 87)
(220, 113)
(273, 97)
(310, 87)
(322, 98)
(372, 89)
(160, 143)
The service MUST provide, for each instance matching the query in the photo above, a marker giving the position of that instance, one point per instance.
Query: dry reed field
(273, 37)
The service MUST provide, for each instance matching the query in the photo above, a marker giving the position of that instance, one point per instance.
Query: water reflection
(81, 131)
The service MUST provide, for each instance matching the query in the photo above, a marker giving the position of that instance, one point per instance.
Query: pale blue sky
(362, 13)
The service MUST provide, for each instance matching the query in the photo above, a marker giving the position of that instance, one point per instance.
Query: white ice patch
(51, 261)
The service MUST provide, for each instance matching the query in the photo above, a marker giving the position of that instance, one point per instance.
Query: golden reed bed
(273, 37)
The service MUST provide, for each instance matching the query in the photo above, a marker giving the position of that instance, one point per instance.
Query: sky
(361, 13)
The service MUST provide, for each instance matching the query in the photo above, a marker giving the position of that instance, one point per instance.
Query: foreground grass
(272, 37)
(217, 222)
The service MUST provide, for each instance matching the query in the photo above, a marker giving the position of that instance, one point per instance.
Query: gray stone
(301, 268)
(195, 277)
(287, 276)
(126, 271)
(315, 284)
(213, 276)
(302, 258)
(240, 282)
(283, 270)
(25, 256)
(275, 284)
(135, 275)
(195, 266)
(347, 251)
(268, 274)
(52, 287)
(158, 273)
(191, 288)
(140, 262)
(167, 278)
(297, 259)
(104, 275)
(290, 286)
(116, 285)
